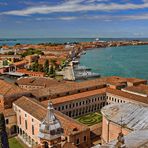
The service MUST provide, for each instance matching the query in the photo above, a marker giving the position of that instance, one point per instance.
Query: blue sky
(73, 18)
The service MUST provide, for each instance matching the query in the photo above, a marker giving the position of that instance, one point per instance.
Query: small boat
(75, 62)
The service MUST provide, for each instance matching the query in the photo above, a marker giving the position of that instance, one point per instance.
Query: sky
(73, 18)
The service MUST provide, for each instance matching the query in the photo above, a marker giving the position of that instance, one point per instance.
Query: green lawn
(90, 119)
(14, 143)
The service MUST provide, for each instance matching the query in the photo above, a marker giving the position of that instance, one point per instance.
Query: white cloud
(30, 3)
(68, 18)
(75, 6)
(106, 18)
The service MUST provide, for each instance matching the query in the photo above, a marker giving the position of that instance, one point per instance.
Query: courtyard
(90, 119)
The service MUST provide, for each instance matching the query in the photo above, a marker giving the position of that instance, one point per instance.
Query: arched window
(7, 121)
(46, 145)
(78, 141)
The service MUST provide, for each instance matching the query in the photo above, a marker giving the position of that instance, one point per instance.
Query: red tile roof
(128, 96)
(78, 96)
(38, 111)
(7, 89)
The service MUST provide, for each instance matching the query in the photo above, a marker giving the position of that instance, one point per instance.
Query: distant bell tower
(50, 131)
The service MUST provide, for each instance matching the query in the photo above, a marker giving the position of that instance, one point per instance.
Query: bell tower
(50, 131)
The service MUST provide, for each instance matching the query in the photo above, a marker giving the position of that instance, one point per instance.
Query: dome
(50, 127)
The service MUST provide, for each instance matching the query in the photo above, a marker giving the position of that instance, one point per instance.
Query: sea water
(127, 61)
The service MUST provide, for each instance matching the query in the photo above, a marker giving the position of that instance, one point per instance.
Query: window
(20, 119)
(32, 120)
(80, 103)
(69, 105)
(66, 106)
(32, 129)
(62, 107)
(78, 141)
(83, 102)
(26, 124)
(7, 121)
(59, 108)
(76, 104)
(25, 115)
(84, 138)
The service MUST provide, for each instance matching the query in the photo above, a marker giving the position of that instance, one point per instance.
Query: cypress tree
(46, 66)
(3, 134)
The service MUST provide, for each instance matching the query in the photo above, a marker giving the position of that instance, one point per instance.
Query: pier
(75, 72)
(69, 72)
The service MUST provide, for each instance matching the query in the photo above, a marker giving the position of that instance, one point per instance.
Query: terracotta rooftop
(7, 89)
(7, 112)
(118, 80)
(141, 89)
(23, 62)
(115, 80)
(135, 80)
(38, 111)
(77, 96)
(129, 96)
(35, 81)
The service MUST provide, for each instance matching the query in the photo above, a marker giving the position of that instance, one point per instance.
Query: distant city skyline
(73, 18)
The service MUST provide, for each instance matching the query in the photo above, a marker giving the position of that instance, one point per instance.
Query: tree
(46, 66)
(5, 63)
(3, 134)
(52, 71)
(35, 66)
(10, 53)
(40, 68)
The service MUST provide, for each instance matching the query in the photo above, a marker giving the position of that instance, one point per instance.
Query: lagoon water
(127, 61)
(13, 41)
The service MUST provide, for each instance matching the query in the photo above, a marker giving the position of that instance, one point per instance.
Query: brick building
(70, 100)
